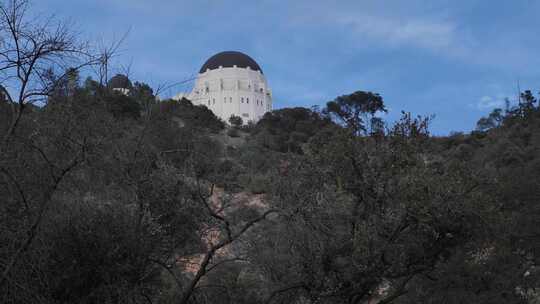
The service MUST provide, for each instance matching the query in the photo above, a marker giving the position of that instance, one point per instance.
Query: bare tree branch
(33, 50)
(229, 238)
(32, 230)
(285, 289)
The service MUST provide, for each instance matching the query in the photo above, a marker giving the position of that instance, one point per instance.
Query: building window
(208, 101)
(213, 100)
(242, 99)
(247, 100)
(230, 99)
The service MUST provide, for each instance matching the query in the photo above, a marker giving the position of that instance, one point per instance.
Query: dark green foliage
(233, 132)
(357, 111)
(494, 120)
(236, 121)
(286, 130)
(3, 95)
(118, 253)
(527, 102)
(448, 220)
(526, 109)
(498, 266)
(120, 196)
(110, 197)
(5, 116)
(121, 105)
(190, 115)
(144, 95)
(258, 184)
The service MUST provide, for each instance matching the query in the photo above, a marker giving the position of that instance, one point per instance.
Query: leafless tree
(35, 55)
(162, 88)
(229, 233)
(107, 52)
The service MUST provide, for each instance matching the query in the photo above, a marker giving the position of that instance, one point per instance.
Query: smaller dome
(120, 81)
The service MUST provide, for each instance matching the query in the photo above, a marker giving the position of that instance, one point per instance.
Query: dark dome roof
(120, 81)
(228, 60)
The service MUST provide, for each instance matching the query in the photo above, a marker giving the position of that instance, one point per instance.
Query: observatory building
(231, 83)
(120, 83)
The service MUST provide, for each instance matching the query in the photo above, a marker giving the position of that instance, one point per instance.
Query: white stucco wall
(232, 91)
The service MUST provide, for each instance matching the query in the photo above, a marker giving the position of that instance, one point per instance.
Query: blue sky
(454, 59)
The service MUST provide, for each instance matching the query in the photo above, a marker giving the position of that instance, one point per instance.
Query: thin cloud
(426, 34)
(442, 32)
(490, 102)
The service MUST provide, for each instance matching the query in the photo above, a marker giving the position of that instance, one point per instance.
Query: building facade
(232, 83)
(120, 83)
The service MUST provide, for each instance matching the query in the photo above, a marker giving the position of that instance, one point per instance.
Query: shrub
(233, 132)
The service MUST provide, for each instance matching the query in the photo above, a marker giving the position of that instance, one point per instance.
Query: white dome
(231, 83)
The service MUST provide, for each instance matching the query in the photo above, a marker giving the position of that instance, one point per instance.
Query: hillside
(112, 194)
(105, 202)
